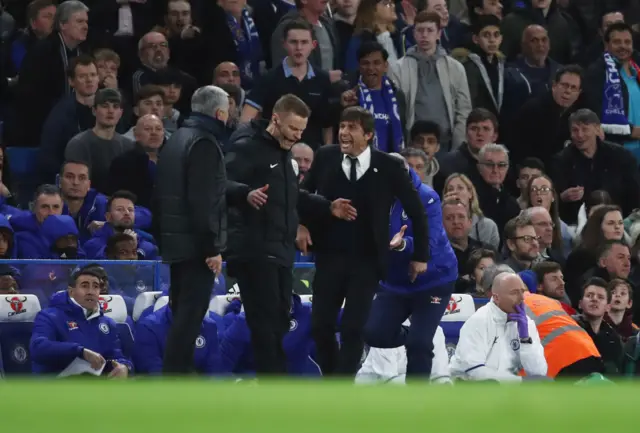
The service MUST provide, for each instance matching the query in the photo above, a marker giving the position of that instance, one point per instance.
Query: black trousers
(189, 295)
(341, 278)
(582, 368)
(265, 289)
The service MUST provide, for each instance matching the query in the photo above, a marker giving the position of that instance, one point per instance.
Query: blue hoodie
(443, 266)
(9, 211)
(38, 244)
(151, 335)
(237, 353)
(62, 331)
(95, 247)
(5, 226)
(94, 208)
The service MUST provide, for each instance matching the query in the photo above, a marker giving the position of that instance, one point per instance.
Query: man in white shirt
(390, 365)
(499, 340)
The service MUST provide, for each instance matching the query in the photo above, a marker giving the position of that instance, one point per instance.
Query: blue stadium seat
(115, 307)
(144, 304)
(460, 308)
(17, 313)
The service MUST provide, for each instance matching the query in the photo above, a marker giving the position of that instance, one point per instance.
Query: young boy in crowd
(425, 136)
(171, 84)
(620, 314)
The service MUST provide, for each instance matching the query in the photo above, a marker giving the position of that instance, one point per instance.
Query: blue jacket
(6, 226)
(237, 354)
(37, 243)
(151, 335)
(95, 247)
(94, 208)
(443, 266)
(61, 332)
(9, 211)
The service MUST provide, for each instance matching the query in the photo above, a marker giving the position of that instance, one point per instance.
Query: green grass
(316, 407)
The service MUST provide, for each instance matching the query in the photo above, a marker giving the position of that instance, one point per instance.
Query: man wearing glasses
(522, 242)
(495, 201)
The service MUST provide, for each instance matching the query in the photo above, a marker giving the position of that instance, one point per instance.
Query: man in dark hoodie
(57, 238)
(40, 15)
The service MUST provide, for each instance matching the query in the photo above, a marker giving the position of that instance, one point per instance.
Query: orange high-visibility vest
(563, 340)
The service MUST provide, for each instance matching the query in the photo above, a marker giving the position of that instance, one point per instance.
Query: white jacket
(489, 348)
(390, 365)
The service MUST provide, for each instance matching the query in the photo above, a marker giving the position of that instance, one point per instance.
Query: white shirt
(489, 348)
(364, 161)
(390, 365)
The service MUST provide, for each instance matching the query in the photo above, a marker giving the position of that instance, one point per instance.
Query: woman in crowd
(591, 202)
(540, 192)
(459, 187)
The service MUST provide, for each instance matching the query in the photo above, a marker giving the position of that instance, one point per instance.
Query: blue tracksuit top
(94, 208)
(151, 335)
(442, 267)
(5, 226)
(37, 241)
(237, 353)
(95, 247)
(62, 331)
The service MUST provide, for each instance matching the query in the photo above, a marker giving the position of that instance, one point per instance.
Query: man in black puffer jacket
(263, 223)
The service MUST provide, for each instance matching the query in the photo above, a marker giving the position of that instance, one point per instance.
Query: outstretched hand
(341, 208)
(396, 241)
(258, 197)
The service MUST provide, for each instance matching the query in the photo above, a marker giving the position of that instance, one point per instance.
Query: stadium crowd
(523, 116)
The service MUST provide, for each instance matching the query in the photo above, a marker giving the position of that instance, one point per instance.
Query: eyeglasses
(527, 239)
(543, 190)
(499, 165)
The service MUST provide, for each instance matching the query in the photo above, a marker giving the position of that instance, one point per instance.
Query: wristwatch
(526, 340)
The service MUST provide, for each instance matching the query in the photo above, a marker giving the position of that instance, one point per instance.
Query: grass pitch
(315, 407)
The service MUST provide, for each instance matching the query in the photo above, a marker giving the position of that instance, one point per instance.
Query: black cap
(107, 95)
(483, 21)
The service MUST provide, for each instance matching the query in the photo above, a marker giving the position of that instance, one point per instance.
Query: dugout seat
(306, 299)
(220, 303)
(144, 304)
(460, 308)
(115, 307)
(161, 302)
(17, 313)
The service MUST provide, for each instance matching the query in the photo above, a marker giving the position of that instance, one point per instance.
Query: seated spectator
(40, 15)
(57, 238)
(594, 303)
(549, 240)
(135, 169)
(418, 161)
(614, 261)
(8, 283)
(99, 146)
(227, 73)
(481, 129)
(73, 327)
(499, 340)
(390, 365)
(151, 336)
(550, 283)
(149, 100)
(171, 84)
(459, 187)
(70, 116)
(46, 201)
(592, 202)
(107, 63)
(528, 168)
(604, 224)
(8, 247)
(237, 353)
(495, 201)
(425, 136)
(303, 154)
(456, 218)
(469, 282)
(521, 242)
(620, 314)
(120, 217)
(589, 164)
(540, 192)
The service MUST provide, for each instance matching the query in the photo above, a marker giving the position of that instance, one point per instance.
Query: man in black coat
(351, 257)
(191, 214)
(264, 202)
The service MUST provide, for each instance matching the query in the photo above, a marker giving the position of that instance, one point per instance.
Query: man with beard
(521, 240)
(120, 218)
(551, 284)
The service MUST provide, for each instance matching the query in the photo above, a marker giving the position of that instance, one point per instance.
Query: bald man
(227, 73)
(303, 154)
(499, 340)
(149, 132)
(534, 62)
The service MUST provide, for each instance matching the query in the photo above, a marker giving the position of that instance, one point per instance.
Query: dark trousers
(390, 309)
(341, 278)
(582, 368)
(189, 295)
(265, 289)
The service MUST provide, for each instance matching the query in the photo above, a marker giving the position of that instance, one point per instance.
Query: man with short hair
(43, 80)
(74, 326)
(527, 169)
(499, 340)
(70, 116)
(434, 84)
(456, 217)
(99, 146)
(452, 30)
(266, 204)
(353, 256)
(521, 241)
(40, 15)
(614, 261)
(417, 160)
(591, 53)
(589, 164)
(540, 219)
(46, 201)
(192, 219)
(186, 44)
(148, 100)
(227, 73)
(551, 284)
(425, 136)
(303, 155)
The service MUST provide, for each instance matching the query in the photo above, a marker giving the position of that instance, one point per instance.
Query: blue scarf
(249, 50)
(614, 118)
(391, 108)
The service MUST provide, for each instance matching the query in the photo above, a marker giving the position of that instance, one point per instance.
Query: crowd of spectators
(523, 115)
